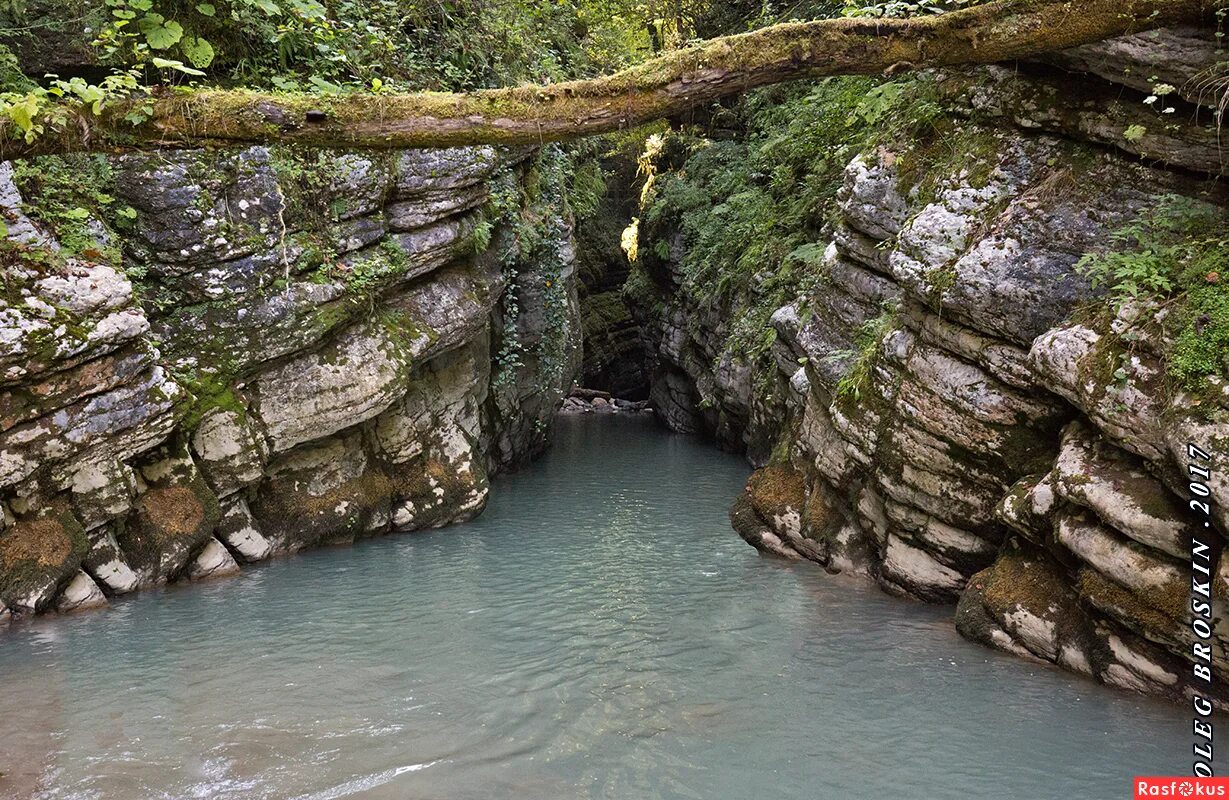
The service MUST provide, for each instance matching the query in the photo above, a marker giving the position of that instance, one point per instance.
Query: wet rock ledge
(589, 401)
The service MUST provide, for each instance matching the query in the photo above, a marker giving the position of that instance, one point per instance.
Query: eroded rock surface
(283, 350)
(995, 445)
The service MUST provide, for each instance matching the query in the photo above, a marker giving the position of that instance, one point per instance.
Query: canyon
(269, 349)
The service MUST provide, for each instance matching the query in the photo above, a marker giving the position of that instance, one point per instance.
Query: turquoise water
(599, 632)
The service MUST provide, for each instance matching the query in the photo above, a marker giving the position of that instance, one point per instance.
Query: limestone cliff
(954, 412)
(208, 358)
(222, 356)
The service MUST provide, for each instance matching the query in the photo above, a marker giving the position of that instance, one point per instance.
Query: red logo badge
(1180, 787)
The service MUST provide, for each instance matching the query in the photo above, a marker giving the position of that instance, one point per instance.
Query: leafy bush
(752, 211)
(861, 359)
(1176, 253)
(329, 45)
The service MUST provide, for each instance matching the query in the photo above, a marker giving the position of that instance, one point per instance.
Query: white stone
(238, 530)
(1114, 558)
(919, 568)
(319, 394)
(80, 594)
(1036, 633)
(213, 561)
(1147, 673)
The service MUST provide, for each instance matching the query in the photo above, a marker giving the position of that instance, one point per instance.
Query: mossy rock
(168, 525)
(1102, 593)
(746, 521)
(1027, 595)
(294, 518)
(431, 492)
(776, 491)
(39, 555)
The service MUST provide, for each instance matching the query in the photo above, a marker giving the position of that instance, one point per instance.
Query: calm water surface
(599, 632)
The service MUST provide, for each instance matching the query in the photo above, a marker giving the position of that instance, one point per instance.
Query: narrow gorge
(961, 323)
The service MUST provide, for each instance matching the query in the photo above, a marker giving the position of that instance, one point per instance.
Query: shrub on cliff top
(753, 210)
(1175, 253)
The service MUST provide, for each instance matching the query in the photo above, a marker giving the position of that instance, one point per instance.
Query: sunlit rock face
(271, 351)
(1001, 450)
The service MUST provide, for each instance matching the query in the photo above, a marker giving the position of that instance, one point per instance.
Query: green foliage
(482, 235)
(861, 359)
(904, 8)
(325, 46)
(1175, 253)
(752, 211)
(70, 196)
(331, 45)
(375, 268)
(588, 186)
(36, 109)
(1172, 245)
(530, 233)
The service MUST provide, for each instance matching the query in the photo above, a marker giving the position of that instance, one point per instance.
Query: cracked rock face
(993, 461)
(285, 355)
(989, 457)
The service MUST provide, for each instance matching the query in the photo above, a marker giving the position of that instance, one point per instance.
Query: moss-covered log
(997, 31)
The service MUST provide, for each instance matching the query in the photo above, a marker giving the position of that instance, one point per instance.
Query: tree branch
(997, 31)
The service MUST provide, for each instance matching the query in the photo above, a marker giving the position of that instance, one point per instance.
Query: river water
(600, 632)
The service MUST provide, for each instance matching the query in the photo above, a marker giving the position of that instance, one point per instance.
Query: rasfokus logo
(1180, 787)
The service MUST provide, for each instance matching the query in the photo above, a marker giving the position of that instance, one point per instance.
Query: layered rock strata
(950, 417)
(288, 351)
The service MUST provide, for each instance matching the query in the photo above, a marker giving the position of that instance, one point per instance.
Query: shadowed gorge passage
(926, 311)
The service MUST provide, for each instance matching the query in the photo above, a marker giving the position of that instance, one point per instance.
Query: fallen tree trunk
(997, 31)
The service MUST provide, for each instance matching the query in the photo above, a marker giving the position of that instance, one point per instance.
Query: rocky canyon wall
(208, 358)
(957, 412)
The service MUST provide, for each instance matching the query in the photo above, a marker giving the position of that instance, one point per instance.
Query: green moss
(436, 488)
(72, 196)
(1201, 346)
(1034, 583)
(1174, 253)
(207, 388)
(745, 520)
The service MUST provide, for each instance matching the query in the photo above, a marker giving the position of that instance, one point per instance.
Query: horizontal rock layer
(290, 351)
(979, 451)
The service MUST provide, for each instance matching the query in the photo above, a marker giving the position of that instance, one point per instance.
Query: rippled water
(599, 633)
